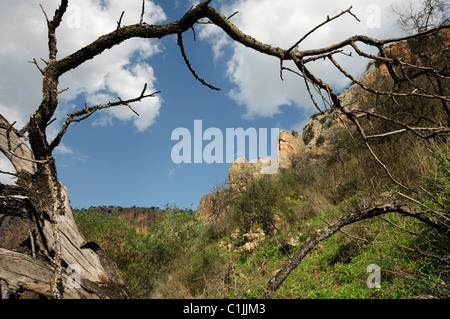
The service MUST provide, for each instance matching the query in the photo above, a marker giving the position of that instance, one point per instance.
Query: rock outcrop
(290, 143)
(242, 171)
(247, 243)
(206, 206)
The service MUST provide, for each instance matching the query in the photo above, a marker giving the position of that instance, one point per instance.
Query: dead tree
(38, 206)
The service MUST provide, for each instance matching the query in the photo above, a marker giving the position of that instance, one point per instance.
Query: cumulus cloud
(63, 149)
(257, 85)
(120, 71)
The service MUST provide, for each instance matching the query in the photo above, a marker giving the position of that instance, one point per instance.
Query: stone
(290, 143)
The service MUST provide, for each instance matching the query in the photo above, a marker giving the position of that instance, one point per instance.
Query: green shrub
(320, 140)
(263, 199)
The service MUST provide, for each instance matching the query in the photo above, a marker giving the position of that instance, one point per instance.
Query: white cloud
(24, 37)
(63, 149)
(258, 86)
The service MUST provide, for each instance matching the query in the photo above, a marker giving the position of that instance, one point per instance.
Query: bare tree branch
(142, 12)
(37, 65)
(186, 60)
(83, 114)
(120, 21)
(321, 25)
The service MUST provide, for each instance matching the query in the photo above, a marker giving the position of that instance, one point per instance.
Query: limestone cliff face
(242, 171)
(206, 206)
(289, 143)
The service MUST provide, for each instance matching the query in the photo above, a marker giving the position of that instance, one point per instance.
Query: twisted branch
(83, 114)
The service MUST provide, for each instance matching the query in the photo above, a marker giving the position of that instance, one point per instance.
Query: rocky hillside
(321, 129)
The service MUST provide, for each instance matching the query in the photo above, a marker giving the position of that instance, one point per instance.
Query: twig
(51, 121)
(63, 90)
(281, 69)
(232, 15)
(129, 106)
(322, 24)
(386, 169)
(83, 114)
(390, 93)
(142, 12)
(423, 205)
(120, 21)
(401, 228)
(193, 32)
(45, 14)
(186, 60)
(37, 65)
(8, 173)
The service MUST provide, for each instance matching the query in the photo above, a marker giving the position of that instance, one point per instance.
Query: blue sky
(115, 158)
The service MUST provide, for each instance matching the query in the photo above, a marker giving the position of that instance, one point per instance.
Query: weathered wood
(20, 273)
(15, 149)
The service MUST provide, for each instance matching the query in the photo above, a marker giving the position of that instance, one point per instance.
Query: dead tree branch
(83, 114)
(142, 12)
(186, 60)
(321, 25)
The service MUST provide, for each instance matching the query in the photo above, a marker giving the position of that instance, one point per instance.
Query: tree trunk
(40, 243)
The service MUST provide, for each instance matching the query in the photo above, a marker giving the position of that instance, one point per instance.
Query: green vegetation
(176, 250)
(263, 200)
(179, 258)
